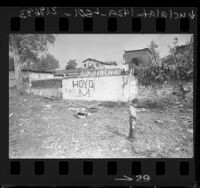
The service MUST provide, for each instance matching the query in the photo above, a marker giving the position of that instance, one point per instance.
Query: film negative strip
(100, 96)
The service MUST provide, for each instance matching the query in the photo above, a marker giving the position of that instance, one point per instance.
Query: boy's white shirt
(133, 111)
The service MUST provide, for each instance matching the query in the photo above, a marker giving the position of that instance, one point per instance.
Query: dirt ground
(43, 128)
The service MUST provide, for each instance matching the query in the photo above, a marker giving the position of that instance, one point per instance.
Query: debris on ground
(49, 98)
(81, 115)
(11, 115)
(83, 112)
(173, 121)
(101, 107)
(185, 117)
(47, 105)
(72, 108)
(187, 120)
(182, 110)
(92, 109)
(157, 111)
(109, 104)
(85, 124)
(185, 110)
(180, 106)
(190, 131)
(159, 121)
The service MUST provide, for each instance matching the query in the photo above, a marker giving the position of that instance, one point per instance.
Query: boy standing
(132, 117)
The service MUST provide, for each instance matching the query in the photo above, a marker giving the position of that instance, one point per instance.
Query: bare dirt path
(42, 128)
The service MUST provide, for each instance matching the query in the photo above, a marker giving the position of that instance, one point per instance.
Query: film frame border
(116, 165)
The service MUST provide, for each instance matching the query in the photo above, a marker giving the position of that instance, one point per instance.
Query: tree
(173, 48)
(71, 64)
(11, 63)
(181, 67)
(152, 48)
(177, 66)
(27, 47)
(47, 62)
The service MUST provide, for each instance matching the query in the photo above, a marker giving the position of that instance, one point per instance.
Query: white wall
(26, 74)
(105, 88)
(12, 74)
(110, 66)
(35, 75)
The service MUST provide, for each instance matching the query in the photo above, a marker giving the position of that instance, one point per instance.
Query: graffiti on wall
(103, 72)
(85, 87)
(92, 73)
(105, 88)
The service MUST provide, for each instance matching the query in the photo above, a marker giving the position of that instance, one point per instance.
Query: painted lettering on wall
(85, 87)
(104, 72)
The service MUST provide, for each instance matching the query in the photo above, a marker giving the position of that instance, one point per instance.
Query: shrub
(177, 66)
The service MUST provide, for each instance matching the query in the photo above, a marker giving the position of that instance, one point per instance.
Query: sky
(108, 47)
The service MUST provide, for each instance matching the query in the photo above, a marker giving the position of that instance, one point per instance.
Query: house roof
(105, 63)
(144, 49)
(35, 71)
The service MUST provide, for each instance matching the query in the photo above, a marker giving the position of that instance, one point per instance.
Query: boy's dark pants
(132, 123)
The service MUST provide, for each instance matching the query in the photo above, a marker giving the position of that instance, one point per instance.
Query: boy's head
(135, 102)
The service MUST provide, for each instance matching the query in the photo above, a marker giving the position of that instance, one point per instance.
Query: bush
(178, 67)
(150, 75)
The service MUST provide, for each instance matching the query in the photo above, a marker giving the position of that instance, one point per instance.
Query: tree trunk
(17, 66)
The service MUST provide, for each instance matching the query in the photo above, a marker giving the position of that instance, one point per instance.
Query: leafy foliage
(71, 64)
(149, 75)
(30, 45)
(155, 53)
(47, 62)
(25, 48)
(177, 66)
